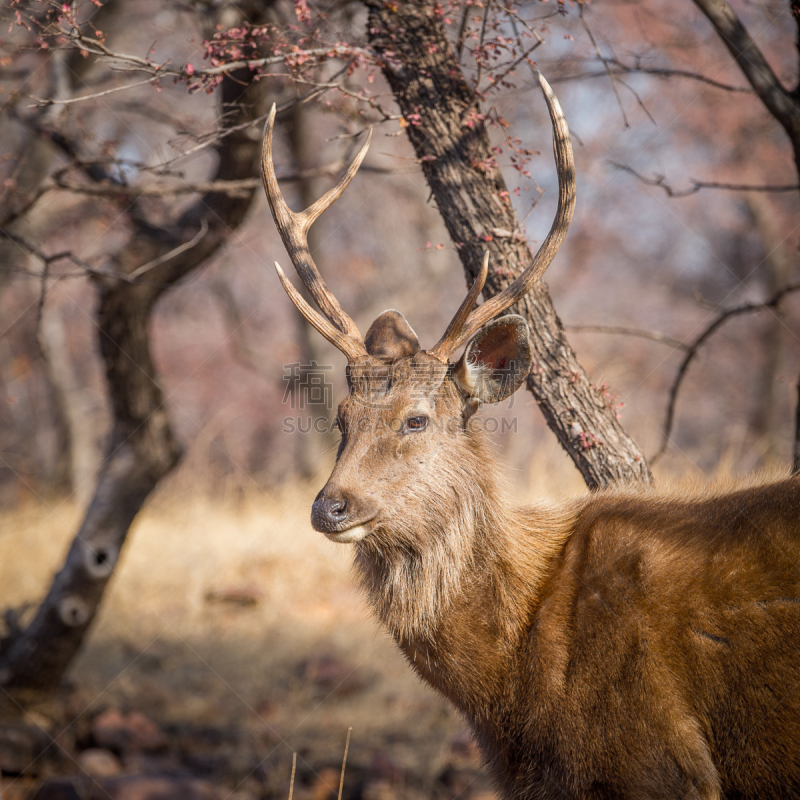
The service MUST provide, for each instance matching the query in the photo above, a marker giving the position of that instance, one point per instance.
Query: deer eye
(415, 424)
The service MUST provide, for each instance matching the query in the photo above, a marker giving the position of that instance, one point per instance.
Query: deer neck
(458, 605)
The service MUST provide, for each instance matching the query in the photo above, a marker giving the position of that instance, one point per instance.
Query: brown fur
(628, 645)
(632, 645)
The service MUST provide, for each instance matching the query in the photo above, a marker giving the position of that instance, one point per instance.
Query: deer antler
(334, 324)
(463, 326)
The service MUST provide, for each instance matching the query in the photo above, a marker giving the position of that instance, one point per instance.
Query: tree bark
(454, 151)
(142, 447)
(782, 104)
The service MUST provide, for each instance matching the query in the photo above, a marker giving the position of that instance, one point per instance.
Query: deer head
(617, 646)
(409, 459)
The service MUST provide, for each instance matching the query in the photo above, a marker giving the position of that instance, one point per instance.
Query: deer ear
(391, 337)
(496, 361)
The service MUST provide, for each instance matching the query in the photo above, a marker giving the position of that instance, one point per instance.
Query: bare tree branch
(85, 270)
(619, 67)
(487, 7)
(233, 188)
(782, 104)
(196, 76)
(423, 73)
(214, 138)
(693, 348)
(44, 125)
(93, 96)
(31, 249)
(462, 29)
(610, 74)
(93, 45)
(496, 79)
(661, 182)
(142, 447)
(621, 330)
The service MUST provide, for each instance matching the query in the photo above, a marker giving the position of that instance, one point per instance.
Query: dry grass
(237, 615)
(234, 615)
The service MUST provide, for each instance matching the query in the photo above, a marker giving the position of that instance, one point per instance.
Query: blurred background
(231, 636)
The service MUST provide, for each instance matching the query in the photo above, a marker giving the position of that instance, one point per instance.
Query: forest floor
(230, 638)
(231, 641)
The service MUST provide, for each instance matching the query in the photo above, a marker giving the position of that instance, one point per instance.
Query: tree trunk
(471, 195)
(142, 447)
(141, 452)
(77, 408)
(782, 104)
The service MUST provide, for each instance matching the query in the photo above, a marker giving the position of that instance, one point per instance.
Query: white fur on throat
(350, 536)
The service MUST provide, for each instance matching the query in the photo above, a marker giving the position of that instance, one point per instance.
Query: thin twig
(232, 187)
(72, 147)
(638, 99)
(219, 135)
(694, 347)
(96, 47)
(344, 761)
(386, 116)
(40, 304)
(535, 203)
(620, 67)
(85, 270)
(291, 780)
(495, 80)
(605, 64)
(661, 182)
(43, 103)
(512, 16)
(176, 251)
(31, 249)
(641, 333)
(29, 203)
(235, 187)
(461, 31)
(479, 48)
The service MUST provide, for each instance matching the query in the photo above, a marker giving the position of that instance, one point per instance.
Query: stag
(632, 644)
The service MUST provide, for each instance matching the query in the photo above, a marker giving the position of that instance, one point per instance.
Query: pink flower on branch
(302, 11)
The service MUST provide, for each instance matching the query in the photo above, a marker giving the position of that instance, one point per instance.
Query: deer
(633, 643)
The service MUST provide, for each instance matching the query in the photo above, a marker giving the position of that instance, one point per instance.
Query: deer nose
(328, 513)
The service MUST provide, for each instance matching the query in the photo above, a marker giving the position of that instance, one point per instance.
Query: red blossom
(302, 11)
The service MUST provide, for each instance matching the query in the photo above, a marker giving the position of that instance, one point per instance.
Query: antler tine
(444, 347)
(293, 228)
(314, 318)
(565, 165)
